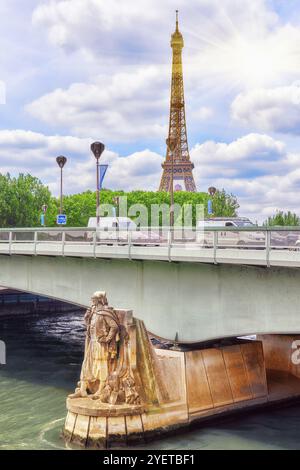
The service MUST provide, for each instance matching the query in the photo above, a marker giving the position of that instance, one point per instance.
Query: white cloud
(203, 113)
(2, 92)
(106, 75)
(123, 107)
(77, 24)
(236, 44)
(256, 168)
(125, 95)
(26, 151)
(223, 165)
(274, 109)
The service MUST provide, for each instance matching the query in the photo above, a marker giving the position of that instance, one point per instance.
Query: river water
(44, 355)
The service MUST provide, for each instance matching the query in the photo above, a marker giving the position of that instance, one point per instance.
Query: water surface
(44, 355)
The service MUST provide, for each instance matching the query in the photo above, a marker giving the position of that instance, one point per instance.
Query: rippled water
(44, 355)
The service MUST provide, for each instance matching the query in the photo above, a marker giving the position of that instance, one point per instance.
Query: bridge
(222, 283)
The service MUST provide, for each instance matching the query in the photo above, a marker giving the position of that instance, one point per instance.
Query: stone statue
(105, 373)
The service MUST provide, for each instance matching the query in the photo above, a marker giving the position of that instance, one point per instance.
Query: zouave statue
(105, 373)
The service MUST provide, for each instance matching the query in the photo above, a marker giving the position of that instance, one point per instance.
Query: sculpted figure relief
(105, 373)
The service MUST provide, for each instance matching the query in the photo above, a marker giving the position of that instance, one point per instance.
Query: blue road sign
(61, 219)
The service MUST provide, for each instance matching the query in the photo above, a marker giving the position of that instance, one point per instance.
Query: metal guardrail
(215, 238)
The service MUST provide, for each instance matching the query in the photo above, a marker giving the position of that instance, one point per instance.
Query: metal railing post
(129, 244)
(268, 247)
(35, 242)
(63, 241)
(10, 242)
(169, 244)
(215, 246)
(94, 243)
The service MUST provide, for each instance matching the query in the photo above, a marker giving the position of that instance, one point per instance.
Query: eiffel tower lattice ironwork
(178, 161)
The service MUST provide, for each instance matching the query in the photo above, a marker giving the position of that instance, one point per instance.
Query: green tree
(80, 207)
(21, 200)
(283, 219)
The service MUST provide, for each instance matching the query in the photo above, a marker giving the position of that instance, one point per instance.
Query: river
(44, 355)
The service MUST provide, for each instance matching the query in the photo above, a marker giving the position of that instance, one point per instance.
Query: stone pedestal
(91, 425)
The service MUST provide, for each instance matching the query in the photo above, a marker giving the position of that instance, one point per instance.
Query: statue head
(99, 298)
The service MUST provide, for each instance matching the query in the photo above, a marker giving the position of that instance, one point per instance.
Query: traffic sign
(61, 219)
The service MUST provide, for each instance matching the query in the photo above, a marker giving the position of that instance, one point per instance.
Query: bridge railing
(250, 238)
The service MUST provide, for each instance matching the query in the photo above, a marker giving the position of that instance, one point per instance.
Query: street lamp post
(98, 148)
(172, 144)
(211, 191)
(61, 161)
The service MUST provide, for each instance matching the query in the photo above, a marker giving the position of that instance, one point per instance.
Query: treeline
(281, 219)
(79, 207)
(22, 199)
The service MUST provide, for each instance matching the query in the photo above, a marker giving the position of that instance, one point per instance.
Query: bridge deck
(186, 253)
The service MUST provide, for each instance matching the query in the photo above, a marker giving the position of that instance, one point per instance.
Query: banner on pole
(102, 170)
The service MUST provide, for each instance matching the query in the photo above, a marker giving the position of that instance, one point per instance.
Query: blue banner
(102, 170)
(210, 207)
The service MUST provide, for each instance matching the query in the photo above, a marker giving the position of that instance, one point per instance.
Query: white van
(111, 223)
(227, 238)
(120, 230)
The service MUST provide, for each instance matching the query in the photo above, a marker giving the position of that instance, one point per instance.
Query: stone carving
(106, 374)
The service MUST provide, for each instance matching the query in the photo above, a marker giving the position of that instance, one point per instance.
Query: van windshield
(126, 225)
(243, 223)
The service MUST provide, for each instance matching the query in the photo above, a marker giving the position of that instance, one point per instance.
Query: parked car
(228, 238)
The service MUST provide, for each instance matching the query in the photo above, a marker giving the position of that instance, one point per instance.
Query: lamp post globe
(98, 148)
(212, 191)
(61, 161)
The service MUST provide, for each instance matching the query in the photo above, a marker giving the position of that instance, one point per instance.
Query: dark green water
(44, 355)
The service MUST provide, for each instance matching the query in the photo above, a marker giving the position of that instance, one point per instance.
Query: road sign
(61, 219)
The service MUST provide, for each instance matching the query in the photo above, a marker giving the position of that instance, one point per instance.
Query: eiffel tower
(177, 161)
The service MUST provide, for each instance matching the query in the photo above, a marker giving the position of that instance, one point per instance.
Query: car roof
(213, 219)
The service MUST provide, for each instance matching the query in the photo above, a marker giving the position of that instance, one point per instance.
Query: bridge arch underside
(199, 302)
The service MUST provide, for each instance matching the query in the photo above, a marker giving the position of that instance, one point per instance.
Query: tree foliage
(80, 207)
(283, 219)
(21, 200)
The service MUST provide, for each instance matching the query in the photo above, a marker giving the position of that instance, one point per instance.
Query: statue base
(98, 425)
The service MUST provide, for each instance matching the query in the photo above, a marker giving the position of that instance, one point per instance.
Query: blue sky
(80, 70)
